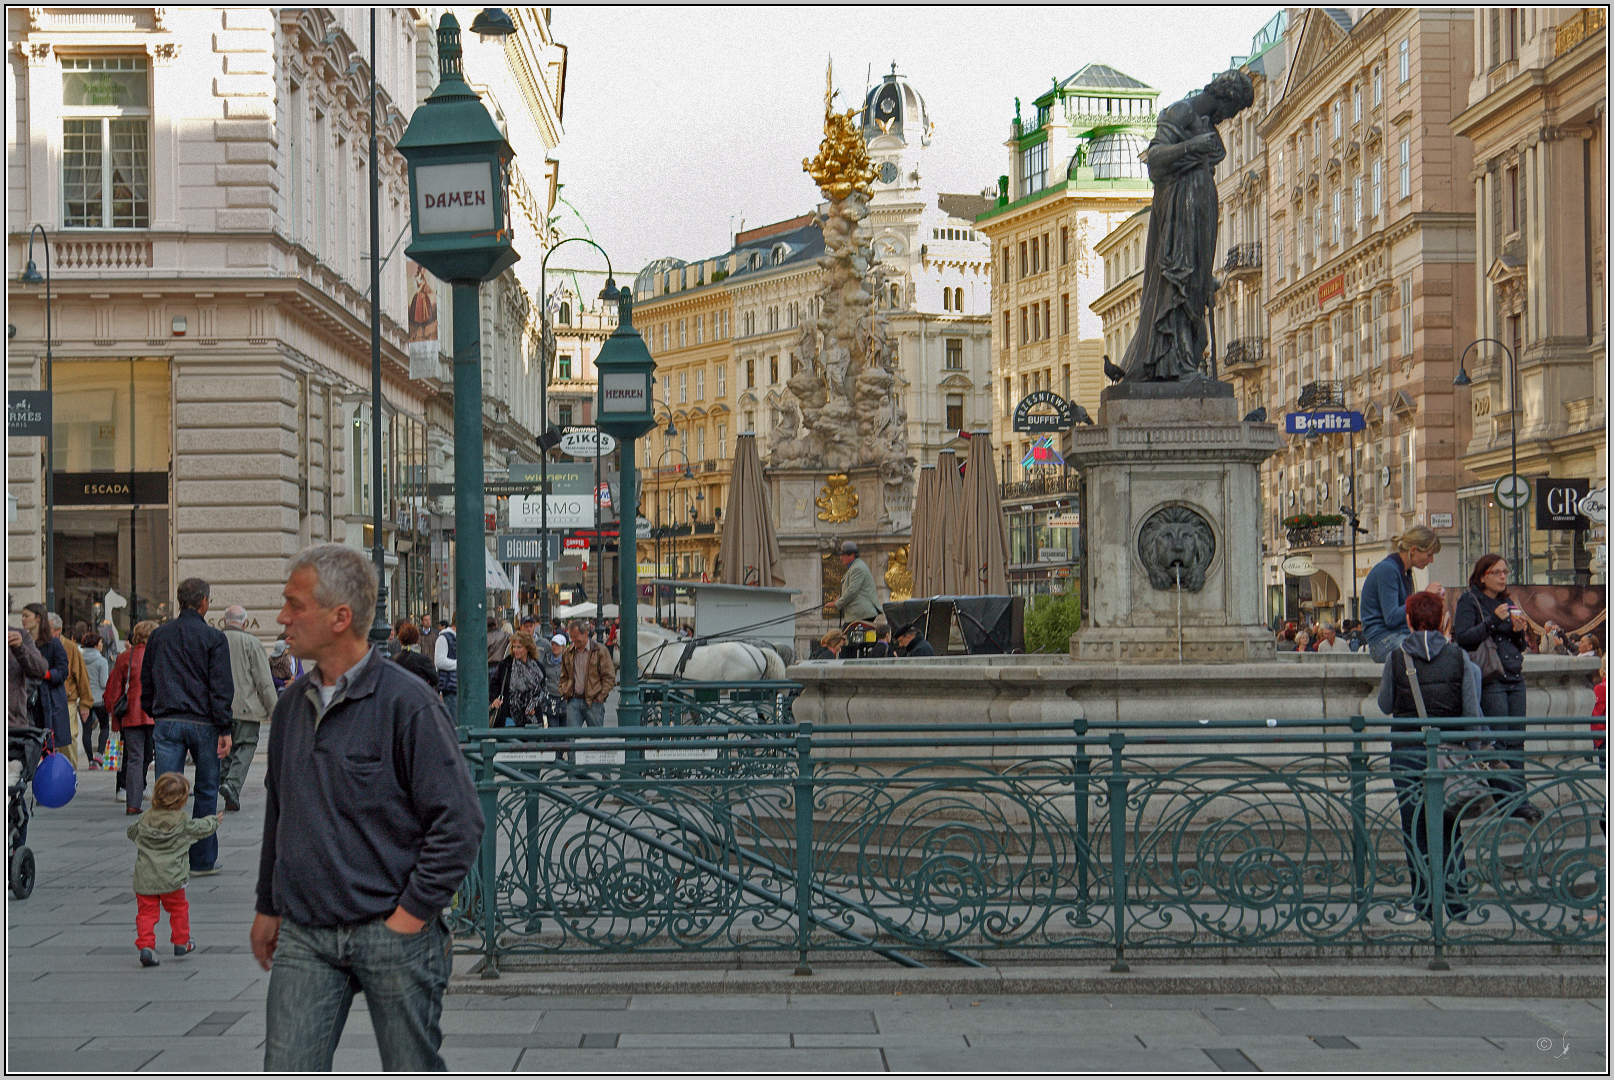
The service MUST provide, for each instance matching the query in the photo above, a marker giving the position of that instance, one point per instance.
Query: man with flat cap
(909, 643)
(857, 602)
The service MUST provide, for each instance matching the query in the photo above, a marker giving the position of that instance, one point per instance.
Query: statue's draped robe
(1177, 283)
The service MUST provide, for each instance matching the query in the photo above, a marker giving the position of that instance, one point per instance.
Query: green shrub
(1050, 620)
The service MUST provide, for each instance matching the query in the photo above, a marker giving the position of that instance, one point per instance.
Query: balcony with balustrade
(1242, 352)
(1242, 259)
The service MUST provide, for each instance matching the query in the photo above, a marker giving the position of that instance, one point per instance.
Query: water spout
(1176, 569)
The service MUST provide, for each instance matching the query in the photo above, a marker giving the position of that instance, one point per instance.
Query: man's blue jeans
(316, 972)
(1381, 648)
(579, 713)
(174, 738)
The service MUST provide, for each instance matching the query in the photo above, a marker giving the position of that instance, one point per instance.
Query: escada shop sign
(455, 198)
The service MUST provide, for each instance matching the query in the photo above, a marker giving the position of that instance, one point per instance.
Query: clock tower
(896, 128)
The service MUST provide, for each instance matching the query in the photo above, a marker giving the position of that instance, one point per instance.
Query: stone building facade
(1537, 115)
(1074, 178)
(1367, 284)
(201, 178)
(1117, 306)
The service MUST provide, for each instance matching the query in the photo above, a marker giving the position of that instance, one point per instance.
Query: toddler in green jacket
(163, 837)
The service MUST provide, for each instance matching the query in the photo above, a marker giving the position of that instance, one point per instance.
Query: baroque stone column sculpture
(844, 411)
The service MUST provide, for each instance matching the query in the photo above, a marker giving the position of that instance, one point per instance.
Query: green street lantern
(627, 374)
(459, 176)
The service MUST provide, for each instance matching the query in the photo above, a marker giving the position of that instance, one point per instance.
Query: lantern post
(459, 199)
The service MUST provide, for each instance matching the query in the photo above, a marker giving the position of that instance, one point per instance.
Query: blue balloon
(55, 782)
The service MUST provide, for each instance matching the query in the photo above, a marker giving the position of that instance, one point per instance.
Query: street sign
(586, 442)
(28, 413)
(1558, 503)
(527, 547)
(565, 511)
(565, 477)
(1064, 521)
(1327, 422)
(1594, 506)
(1060, 419)
(1298, 566)
(1512, 492)
(500, 488)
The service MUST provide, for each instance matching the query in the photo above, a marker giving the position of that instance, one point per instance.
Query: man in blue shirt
(1387, 586)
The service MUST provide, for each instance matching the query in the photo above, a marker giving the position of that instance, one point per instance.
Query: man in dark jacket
(369, 828)
(187, 688)
(909, 643)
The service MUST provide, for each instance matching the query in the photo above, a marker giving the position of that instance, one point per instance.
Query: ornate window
(106, 165)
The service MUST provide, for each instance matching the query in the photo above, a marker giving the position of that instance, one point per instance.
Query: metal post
(1118, 848)
(628, 706)
(1083, 769)
(470, 549)
(378, 629)
(50, 444)
(1513, 446)
(1434, 820)
(489, 795)
(804, 845)
(598, 549)
(1357, 757)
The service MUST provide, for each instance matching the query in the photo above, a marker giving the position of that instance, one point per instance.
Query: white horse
(661, 653)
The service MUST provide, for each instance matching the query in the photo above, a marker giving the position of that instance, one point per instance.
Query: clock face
(888, 172)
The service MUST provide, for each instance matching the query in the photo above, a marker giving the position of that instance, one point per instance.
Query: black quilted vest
(1440, 679)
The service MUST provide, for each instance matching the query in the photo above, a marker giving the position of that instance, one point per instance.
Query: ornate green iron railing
(1027, 838)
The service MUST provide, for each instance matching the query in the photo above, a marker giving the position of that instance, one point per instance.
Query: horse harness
(689, 648)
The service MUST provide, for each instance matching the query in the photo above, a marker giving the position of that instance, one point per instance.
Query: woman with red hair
(1449, 686)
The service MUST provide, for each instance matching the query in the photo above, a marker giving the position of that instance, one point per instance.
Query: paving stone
(713, 1021)
(636, 1041)
(199, 1060)
(44, 1044)
(1042, 1021)
(713, 1001)
(556, 1040)
(221, 1044)
(160, 1020)
(750, 1060)
(1028, 1001)
(82, 1061)
(1056, 1060)
(542, 1002)
(1382, 1022)
(481, 1059)
(501, 1022)
(1377, 1001)
(887, 1040)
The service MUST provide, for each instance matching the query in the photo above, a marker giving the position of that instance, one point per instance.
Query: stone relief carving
(1176, 541)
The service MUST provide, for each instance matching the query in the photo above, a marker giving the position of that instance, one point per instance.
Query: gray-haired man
(370, 826)
(253, 704)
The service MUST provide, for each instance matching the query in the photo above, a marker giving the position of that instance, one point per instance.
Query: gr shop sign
(455, 198)
(1558, 503)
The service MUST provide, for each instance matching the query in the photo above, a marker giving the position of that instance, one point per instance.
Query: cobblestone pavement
(80, 1002)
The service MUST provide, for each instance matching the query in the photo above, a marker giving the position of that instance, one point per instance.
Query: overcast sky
(680, 119)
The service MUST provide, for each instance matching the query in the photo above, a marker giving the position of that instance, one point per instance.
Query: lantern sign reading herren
(1044, 421)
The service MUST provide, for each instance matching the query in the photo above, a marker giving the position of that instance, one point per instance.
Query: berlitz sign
(455, 198)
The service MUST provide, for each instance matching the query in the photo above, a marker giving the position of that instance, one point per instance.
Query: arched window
(958, 298)
(947, 299)
(565, 313)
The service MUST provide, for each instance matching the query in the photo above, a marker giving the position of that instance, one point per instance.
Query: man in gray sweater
(254, 702)
(370, 827)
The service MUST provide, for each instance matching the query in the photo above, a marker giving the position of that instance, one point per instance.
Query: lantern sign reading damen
(455, 198)
(1044, 421)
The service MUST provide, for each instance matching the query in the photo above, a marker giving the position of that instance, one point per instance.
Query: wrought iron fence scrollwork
(1034, 837)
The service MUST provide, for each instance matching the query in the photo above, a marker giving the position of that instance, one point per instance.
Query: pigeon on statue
(1080, 415)
(1256, 416)
(1113, 373)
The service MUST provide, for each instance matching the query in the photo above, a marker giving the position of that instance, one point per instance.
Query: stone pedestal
(814, 510)
(1172, 516)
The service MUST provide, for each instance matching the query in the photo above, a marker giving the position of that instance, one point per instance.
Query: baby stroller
(23, 753)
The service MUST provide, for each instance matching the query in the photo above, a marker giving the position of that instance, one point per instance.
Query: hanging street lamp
(459, 201)
(625, 408)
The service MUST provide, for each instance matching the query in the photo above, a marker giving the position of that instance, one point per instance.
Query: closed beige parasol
(922, 562)
(750, 549)
(950, 551)
(985, 540)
